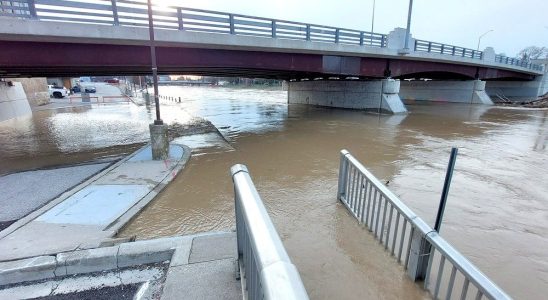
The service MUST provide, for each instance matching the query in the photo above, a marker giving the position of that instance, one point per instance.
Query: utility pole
(158, 130)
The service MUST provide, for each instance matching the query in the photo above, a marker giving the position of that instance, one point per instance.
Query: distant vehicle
(76, 89)
(89, 89)
(57, 92)
(114, 80)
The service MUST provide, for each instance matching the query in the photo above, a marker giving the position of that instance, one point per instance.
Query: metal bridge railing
(423, 253)
(433, 47)
(135, 13)
(266, 268)
(517, 62)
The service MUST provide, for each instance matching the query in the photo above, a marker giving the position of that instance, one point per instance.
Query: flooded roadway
(497, 213)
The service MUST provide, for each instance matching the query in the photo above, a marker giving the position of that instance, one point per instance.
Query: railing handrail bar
(482, 282)
(280, 278)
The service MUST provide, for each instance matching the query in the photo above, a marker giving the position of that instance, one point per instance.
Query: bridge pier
(518, 89)
(374, 95)
(467, 91)
(13, 101)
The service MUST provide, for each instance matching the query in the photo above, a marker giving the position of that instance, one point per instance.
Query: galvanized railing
(433, 47)
(135, 13)
(517, 62)
(408, 238)
(266, 268)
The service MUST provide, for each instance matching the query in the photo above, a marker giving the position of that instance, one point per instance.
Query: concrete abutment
(458, 91)
(373, 95)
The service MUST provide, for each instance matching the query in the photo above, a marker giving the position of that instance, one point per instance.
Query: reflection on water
(497, 213)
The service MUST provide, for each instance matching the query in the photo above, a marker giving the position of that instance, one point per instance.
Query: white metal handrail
(397, 227)
(266, 267)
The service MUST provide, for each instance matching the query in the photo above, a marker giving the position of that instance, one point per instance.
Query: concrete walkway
(95, 210)
(202, 266)
(24, 192)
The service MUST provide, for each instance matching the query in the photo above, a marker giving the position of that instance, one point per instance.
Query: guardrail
(433, 47)
(517, 62)
(266, 268)
(408, 237)
(135, 13)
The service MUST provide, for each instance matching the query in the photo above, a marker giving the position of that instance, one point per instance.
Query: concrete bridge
(69, 38)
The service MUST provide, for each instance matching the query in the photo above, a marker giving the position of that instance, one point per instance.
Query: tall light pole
(373, 17)
(408, 29)
(479, 39)
(158, 120)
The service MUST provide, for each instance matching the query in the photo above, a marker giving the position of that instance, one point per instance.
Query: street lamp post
(158, 120)
(408, 29)
(479, 39)
(372, 22)
(159, 141)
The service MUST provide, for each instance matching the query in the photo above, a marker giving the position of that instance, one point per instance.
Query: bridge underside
(47, 59)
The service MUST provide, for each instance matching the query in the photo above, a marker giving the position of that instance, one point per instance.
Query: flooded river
(497, 212)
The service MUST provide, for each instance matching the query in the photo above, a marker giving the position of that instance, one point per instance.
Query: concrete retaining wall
(13, 101)
(366, 95)
(518, 89)
(470, 91)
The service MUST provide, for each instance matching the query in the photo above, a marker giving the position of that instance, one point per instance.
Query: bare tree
(533, 52)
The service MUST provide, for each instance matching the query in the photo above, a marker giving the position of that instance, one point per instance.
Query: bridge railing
(267, 270)
(135, 13)
(433, 47)
(408, 238)
(517, 62)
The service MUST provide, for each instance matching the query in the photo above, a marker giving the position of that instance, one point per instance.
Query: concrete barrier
(459, 91)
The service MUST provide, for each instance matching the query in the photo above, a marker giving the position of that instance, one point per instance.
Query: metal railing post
(337, 35)
(308, 32)
(231, 20)
(180, 18)
(463, 52)
(383, 42)
(114, 13)
(453, 51)
(442, 48)
(273, 28)
(32, 9)
(361, 38)
(343, 168)
(429, 46)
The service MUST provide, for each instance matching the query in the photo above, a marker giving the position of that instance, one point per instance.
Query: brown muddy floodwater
(497, 212)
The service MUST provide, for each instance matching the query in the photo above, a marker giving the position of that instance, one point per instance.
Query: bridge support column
(375, 95)
(159, 141)
(13, 101)
(469, 91)
(518, 89)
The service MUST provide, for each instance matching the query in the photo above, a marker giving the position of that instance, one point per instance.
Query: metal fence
(396, 227)
(517, 62)
(433, 47)
(266, 268)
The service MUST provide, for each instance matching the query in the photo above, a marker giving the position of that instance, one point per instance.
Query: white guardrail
(135, 13)
(408, 238)
(266, 270)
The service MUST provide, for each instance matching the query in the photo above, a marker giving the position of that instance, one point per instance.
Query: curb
(176, 250)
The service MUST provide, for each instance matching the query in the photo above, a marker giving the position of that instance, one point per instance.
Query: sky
(516, 24)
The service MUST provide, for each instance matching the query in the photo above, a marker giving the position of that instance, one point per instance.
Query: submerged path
(95, 210)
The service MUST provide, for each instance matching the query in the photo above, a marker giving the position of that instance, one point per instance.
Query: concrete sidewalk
(201, 266)
(95, 210)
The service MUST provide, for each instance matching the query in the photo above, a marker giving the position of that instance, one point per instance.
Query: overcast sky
(516, 23)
